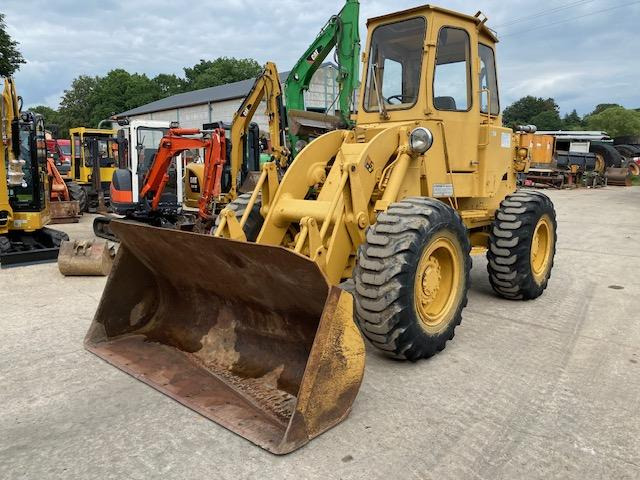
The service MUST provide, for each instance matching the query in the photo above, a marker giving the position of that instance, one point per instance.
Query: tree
(77, 103)
(547, 120)
(523, 111)
(51, 118)
(222, 70)
(572, 121)
(616, 121)
(119, 91)
(602, 107)
(168, 84)
(10, 57)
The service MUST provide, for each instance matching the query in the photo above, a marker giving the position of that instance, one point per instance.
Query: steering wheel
(400, 99)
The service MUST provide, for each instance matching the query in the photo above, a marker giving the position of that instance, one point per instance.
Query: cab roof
(478, 19)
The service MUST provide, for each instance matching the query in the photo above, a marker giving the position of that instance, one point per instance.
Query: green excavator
(340, 32)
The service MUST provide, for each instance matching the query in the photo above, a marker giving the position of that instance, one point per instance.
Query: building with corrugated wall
(193, 109)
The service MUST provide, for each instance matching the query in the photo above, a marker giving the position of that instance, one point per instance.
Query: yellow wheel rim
(541, 246)
(634, 169)
(437, 283)
(600, 163)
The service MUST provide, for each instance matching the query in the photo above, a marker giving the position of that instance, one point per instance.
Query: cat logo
(369, 165)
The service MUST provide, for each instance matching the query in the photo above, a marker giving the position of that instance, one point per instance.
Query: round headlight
(420, 140)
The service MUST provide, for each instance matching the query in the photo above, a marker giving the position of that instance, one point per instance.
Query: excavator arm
(341, 32)
(267, 87)
(174, 143)
(214, 160)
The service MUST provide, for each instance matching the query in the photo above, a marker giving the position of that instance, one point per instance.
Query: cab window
(488, 80)
(451, 81)
(395, 60)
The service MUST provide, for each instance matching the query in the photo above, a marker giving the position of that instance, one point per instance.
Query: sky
(580, 52)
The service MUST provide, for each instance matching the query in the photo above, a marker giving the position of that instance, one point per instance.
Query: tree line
(545, 114)
(91, 99)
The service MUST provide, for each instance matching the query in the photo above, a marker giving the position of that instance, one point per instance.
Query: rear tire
(76, 192)
(254, 221)
(522, 245)
(610, 155)
(412, 278)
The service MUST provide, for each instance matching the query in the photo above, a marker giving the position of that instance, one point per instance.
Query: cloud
(581, 62)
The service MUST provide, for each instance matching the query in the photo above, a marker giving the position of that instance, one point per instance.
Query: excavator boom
(266, 87)
(176, 142)
(341, 33)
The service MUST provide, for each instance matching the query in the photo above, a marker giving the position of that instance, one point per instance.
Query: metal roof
(220, 93)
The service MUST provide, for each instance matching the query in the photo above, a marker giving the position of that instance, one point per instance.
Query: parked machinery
(24, 191)
(251, 328)
(93, 161)
(242, 153)
(137, 143)
(291, 126)
(63, 208)
(341, 33)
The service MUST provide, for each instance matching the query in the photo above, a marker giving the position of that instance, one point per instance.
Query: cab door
(452, 96)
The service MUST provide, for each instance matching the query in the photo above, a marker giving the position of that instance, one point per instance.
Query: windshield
(395, 59)
(65, 149)
(24, 193)
(147, 144)
(104, 149)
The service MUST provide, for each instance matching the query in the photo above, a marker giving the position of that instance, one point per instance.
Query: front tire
(412, 278)
(522, 245)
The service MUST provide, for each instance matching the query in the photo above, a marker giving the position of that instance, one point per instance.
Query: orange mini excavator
(153, 204)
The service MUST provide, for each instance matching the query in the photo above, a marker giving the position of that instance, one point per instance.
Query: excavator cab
(194, 171)
(138, 142)
(93, 161)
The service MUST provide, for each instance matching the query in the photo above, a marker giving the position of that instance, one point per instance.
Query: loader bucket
(250, 336)
(85, 258)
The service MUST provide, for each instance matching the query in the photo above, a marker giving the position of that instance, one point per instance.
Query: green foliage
(547, 120)
(602, 107)
(616, 121)
(572, 121)
(51, 118)
(220, 71)
(77, 104)
(119, 91)
(91, 99)
(541, 112)
(523, 111)
(168, 84)
(10, 57)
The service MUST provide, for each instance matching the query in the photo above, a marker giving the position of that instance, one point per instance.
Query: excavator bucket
(85, 258)
(251, 336)
(65, 211)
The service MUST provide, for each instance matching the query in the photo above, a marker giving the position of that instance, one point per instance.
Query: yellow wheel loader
(369, 233)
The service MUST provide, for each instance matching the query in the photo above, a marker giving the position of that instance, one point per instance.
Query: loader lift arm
(267, 86)
(174, 143)
(341, 32)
